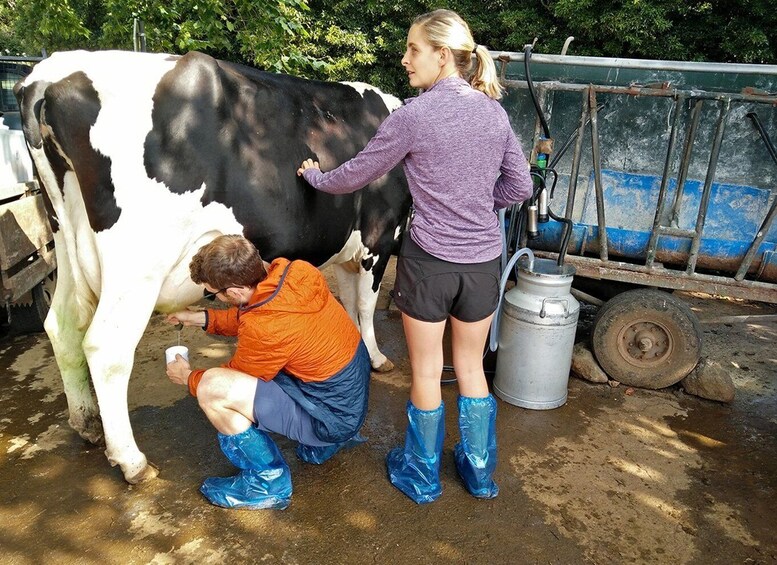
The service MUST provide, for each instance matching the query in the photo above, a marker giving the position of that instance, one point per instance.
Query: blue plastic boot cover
(318, 454)
(415, 469)
(264, 480)
(475, 455)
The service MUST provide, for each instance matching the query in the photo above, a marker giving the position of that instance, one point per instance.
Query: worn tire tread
(631, 306)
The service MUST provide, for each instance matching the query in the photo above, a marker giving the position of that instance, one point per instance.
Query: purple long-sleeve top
(462, 161)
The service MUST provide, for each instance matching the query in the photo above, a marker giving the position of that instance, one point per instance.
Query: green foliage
(269, 34)
(266, 34)
(11, 45)
(365, 39)
(694, 30)
(39, 24)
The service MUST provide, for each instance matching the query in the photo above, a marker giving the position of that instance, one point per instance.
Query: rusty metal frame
(685, 163)
(654, 233)
(767, 223)
(597, 157)
(662, 91)
(651, 273)
(594, 268)
(720, 128)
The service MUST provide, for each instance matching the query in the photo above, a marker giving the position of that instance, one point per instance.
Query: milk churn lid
(544, 267)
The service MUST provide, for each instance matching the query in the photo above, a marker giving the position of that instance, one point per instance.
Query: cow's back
(165, 150)
(253, 129)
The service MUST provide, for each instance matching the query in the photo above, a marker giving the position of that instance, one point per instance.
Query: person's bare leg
(468, 343)
(424, 345)
(264, 481)
(227, 398)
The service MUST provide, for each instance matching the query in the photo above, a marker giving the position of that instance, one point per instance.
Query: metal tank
(536, 336)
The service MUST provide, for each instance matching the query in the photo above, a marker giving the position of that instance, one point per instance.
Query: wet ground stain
(647, 477)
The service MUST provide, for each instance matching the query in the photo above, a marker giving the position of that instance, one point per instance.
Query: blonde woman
(462, 162)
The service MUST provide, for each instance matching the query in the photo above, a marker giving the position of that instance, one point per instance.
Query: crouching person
(300, 369)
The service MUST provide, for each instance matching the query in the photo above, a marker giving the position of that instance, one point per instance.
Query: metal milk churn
(536, 336)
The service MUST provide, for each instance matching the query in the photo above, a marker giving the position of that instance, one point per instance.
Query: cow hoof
(150, 471)
(91, 430)
(384, 367)
(95, 437)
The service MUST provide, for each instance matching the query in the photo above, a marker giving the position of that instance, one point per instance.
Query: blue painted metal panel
(735, 213)
(712, 103)
(633, 244)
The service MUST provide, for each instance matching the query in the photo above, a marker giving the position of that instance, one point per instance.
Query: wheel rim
(644, 343)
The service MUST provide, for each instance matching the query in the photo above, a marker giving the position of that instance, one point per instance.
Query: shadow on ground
(614, 476)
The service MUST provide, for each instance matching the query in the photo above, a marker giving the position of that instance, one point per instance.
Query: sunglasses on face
(208, 295)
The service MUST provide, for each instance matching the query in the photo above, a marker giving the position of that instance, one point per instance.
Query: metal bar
(597, 158)
(576, 160)
(767, 258)
(685, 162)
(643, 91)
(744, 319)
(580, 295)
(502, 68)
(676, 232)
(572, 137)
(651, 64)
(522, 240)
(759, 237)
(542, 93)
(573, 174)
(764, 135)
(668, 278)
(653, 243)
(142, 35)
(10, 59)
(720, 127)
(767, 223)
(512, 233)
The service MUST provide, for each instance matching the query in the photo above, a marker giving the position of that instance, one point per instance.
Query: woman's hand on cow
(178, 371)
(307, 164)
(187, 318)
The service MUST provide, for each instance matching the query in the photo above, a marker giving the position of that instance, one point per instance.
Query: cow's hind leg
(360, 300)
(66, 334)
(110, 343)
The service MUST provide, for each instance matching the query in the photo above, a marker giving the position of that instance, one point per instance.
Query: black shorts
(430, 289)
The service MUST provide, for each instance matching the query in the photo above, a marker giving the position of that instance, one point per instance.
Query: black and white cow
(147, 157)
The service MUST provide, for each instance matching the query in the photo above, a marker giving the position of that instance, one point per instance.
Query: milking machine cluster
(535, 322)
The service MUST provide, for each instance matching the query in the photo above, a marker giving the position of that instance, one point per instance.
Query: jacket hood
(301, 290)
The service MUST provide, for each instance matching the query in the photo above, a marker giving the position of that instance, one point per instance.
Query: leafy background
(364, 39)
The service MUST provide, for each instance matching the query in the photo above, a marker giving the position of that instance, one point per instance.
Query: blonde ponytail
(445, 28)
(485, 78)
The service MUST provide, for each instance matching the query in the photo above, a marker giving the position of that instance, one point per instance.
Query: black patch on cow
(56, 161)
(243, 133)
(53, 220)
(70, 109)
(30, 100)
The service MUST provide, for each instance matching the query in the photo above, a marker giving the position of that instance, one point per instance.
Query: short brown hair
(227, 261)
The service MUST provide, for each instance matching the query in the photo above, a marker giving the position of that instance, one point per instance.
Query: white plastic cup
(171, 352)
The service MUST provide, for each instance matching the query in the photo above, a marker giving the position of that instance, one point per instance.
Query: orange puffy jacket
(301, 329)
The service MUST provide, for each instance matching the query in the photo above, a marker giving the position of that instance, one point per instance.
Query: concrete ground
(617, 475)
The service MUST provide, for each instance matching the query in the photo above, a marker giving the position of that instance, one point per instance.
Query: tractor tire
(646, 338)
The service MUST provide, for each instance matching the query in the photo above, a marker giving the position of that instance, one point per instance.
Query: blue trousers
(275, 411)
